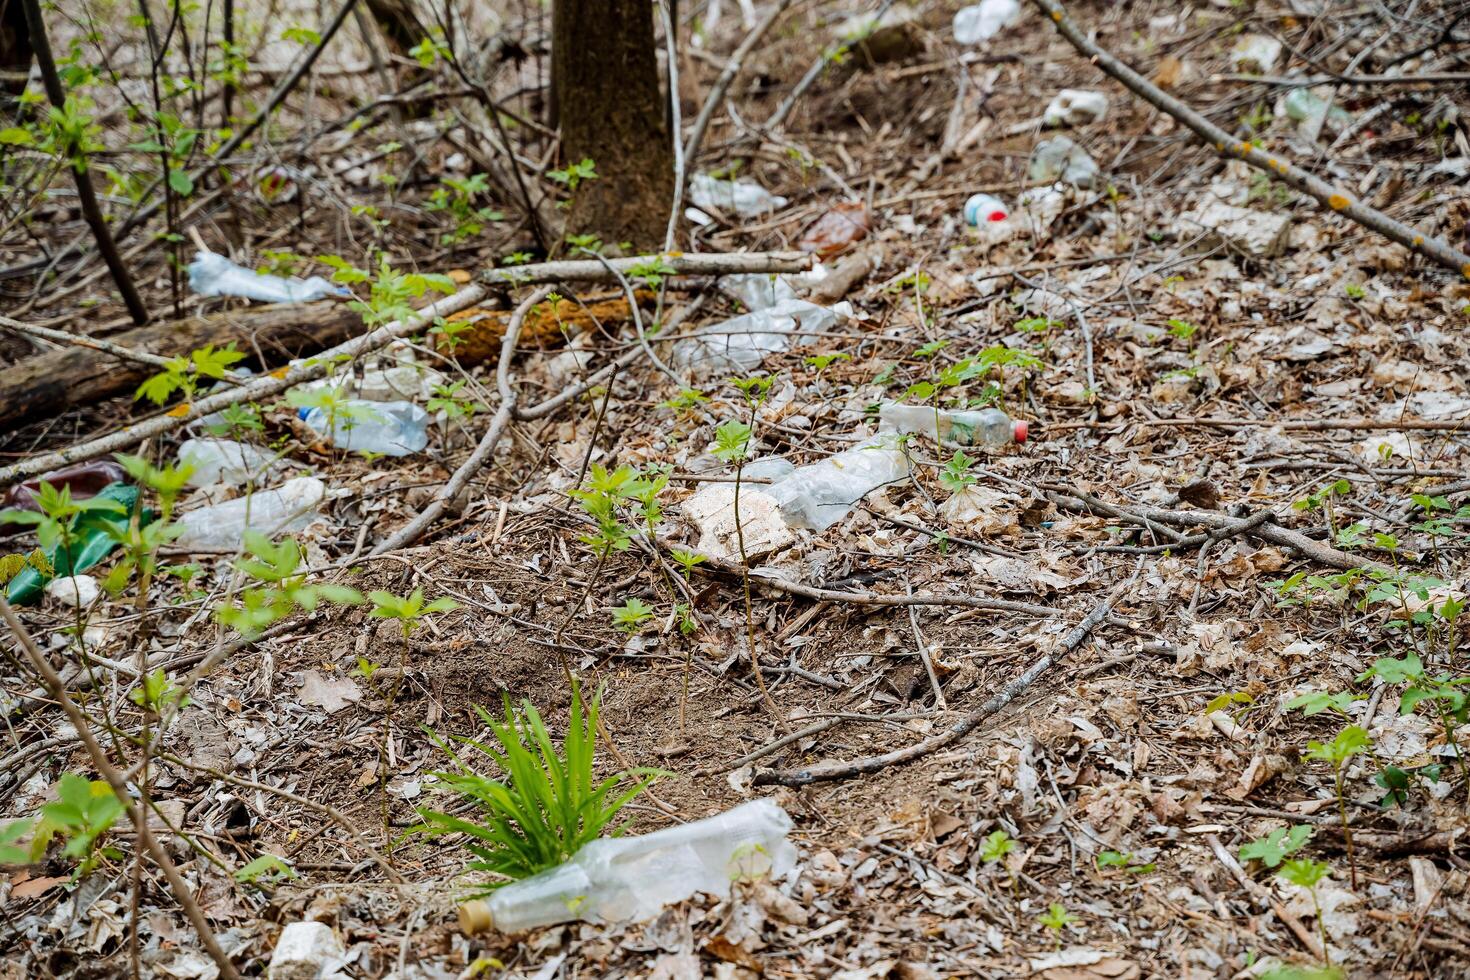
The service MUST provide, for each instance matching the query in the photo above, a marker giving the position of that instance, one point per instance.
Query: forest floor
(1318, 377)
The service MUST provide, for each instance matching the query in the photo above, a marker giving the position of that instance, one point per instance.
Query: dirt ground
(1187, 378)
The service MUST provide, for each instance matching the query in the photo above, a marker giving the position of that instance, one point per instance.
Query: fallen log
(57, 380)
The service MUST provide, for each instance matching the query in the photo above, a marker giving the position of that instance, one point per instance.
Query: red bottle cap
(997, 216)
(1021, 428)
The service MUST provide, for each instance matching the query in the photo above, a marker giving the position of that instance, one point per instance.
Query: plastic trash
(622, 879)
(95, 535)
(401, 382)
(1075, 107)
(820, 494)
(82, 479)
(79, 591)
(306, 951)
(984, 20)
(1255, 52)
(983, 209)
(988, 428)
(224, 461)
(1304, 105)
(390, 428)
(214, 275)
(757, 290)
(742, 197)
(221, 527)
(740, 344)
(846, 224)
(1060, 159)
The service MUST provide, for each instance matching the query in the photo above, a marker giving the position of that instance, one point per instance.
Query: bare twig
(1227, 146)
(727, 77)
(826, 772)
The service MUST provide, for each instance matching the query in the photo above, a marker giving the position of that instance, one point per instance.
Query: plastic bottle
(983, 209)
(988, 428)
(818, 495)
(224, 461)
(215, 275)
(1075, 107)
(740, 344)
(390, 428)
(221, 527)
(618, 879)
(984, 20)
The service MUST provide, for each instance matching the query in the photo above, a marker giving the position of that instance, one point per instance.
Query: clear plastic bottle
(221, 527)
(741, 197)
(224, 461)
(988, 428)
(983, 209)
(215, 275)
(618, 879)
(390, 428)
(820, 494)
(1302, 104)
(739, 345)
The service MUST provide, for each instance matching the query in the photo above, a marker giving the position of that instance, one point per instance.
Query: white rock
(78, 590)
(1257, 233)
(1075, 107)
(306, 951)
(712, 512)
(1255, 52)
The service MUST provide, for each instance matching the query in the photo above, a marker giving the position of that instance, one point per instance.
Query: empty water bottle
(389, 428)
(224, 461)
(988, 428)
(818, 495)
(984, 20)
(741, 197)
(289, 507)
(620, 879)
(740, 344)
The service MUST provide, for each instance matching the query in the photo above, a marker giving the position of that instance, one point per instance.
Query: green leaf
(1272, 849)
(180, 182)
(16, 136)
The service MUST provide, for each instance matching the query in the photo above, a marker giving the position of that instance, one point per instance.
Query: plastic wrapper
(740, 197)
(820, 494)
(214, 275)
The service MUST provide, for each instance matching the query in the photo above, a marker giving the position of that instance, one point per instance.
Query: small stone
(712, 512)
(1260, 234)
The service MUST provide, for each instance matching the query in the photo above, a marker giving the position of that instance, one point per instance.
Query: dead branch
(826, 772)
(486, 448)
(1228, 147)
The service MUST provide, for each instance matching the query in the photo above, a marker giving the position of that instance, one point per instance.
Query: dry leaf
(331, 694)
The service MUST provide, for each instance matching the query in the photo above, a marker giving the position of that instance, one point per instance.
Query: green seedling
(632, 615)
(1349, 742)
(1276, 846)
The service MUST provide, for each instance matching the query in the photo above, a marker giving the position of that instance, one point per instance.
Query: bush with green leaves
(82, 814)
(547, 804)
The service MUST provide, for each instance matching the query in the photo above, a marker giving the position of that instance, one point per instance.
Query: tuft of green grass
(546, 807)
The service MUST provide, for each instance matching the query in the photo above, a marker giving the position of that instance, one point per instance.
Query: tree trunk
(15, 53)
(71, 376)
(604, 72)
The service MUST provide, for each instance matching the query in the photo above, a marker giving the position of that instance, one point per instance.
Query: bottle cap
(474, 916)
(1020, 428)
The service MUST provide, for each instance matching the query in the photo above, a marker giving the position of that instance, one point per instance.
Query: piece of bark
(846, 275)
(53, 382)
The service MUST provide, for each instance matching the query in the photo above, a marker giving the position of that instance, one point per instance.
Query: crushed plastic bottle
(401, 382)
(623, 879)
(988, 428)
(740, 344)
(1060, 159)
(224, 461)
(820, 494)
(214, 275)
(1075, 107)
(1255, 53)
(742, 197)
(221, 527)
(390, 428)
(1304, 105)
(984, 20)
